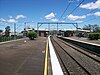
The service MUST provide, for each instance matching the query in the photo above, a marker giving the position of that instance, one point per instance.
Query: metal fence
(2, 39)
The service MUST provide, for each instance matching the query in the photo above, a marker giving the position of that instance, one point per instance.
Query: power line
(89, 20)
(91, 11)
(86, 13)
(65, 11)
(77, 6)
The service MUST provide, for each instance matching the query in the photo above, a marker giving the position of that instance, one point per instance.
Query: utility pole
(76, 26)
(57, 29)
(49, 28)
(37, 30)
(15, 30)
(25, 25)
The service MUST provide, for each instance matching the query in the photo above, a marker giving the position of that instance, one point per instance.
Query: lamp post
(15, 30)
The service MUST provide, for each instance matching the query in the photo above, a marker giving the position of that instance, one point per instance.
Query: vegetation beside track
(32, 35)
(3, 39)
(94, 36)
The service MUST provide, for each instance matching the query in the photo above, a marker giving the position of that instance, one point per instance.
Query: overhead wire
(65, 11)
(91, 11)
(86, 13)
(76, 7)
(88, 20)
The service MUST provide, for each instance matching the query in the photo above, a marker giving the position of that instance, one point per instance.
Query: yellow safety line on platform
(46, 60)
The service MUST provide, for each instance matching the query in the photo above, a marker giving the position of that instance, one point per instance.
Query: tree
(32, 35)
(7, 31)
(87, 27)
(94, 28)
(97, 29)
(1, 30)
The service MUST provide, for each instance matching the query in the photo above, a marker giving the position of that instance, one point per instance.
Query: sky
(33, 11)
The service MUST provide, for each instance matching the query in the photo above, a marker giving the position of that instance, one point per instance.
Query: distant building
(1, 32)
(43, 33)
(81, 30)
(13, 33)
(30, 29)
(73, 32)
(82, 33)
(24, 32)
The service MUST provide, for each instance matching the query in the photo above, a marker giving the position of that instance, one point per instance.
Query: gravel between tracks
(89, 64)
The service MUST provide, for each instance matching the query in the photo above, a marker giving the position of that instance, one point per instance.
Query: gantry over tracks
(39, 24)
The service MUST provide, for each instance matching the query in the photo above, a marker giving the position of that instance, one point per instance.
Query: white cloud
(94, 14)
(91, 5)
(79, 21)
(0, 22)
(62, 21)
(11, 21)
(97, 14)
(72, 17)
(90, 14)
(10, 17)
(54, 20)
(20, 16)
(2, 19)
(50, 16)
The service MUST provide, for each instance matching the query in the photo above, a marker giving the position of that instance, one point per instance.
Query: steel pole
(15, 30)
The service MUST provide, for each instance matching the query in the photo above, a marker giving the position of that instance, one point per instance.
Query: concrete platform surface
(23, 57)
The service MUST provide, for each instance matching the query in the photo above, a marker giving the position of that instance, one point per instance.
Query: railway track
(76, 61)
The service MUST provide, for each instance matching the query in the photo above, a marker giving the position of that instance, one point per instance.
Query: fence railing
(2, 39)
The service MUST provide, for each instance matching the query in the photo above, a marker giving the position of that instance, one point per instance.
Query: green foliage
(7, 31)
(94, 28)
(68, 33)
(87, 27)
(94, 36)
(99, 35)
(32, 35)
(1, 30)
(2, 39)
(80, 35)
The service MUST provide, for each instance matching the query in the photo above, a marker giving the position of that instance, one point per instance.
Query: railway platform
(46, 56)
(86, 40)
(23, 57)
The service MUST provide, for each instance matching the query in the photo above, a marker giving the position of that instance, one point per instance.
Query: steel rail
(72, 57)
(82, 52)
